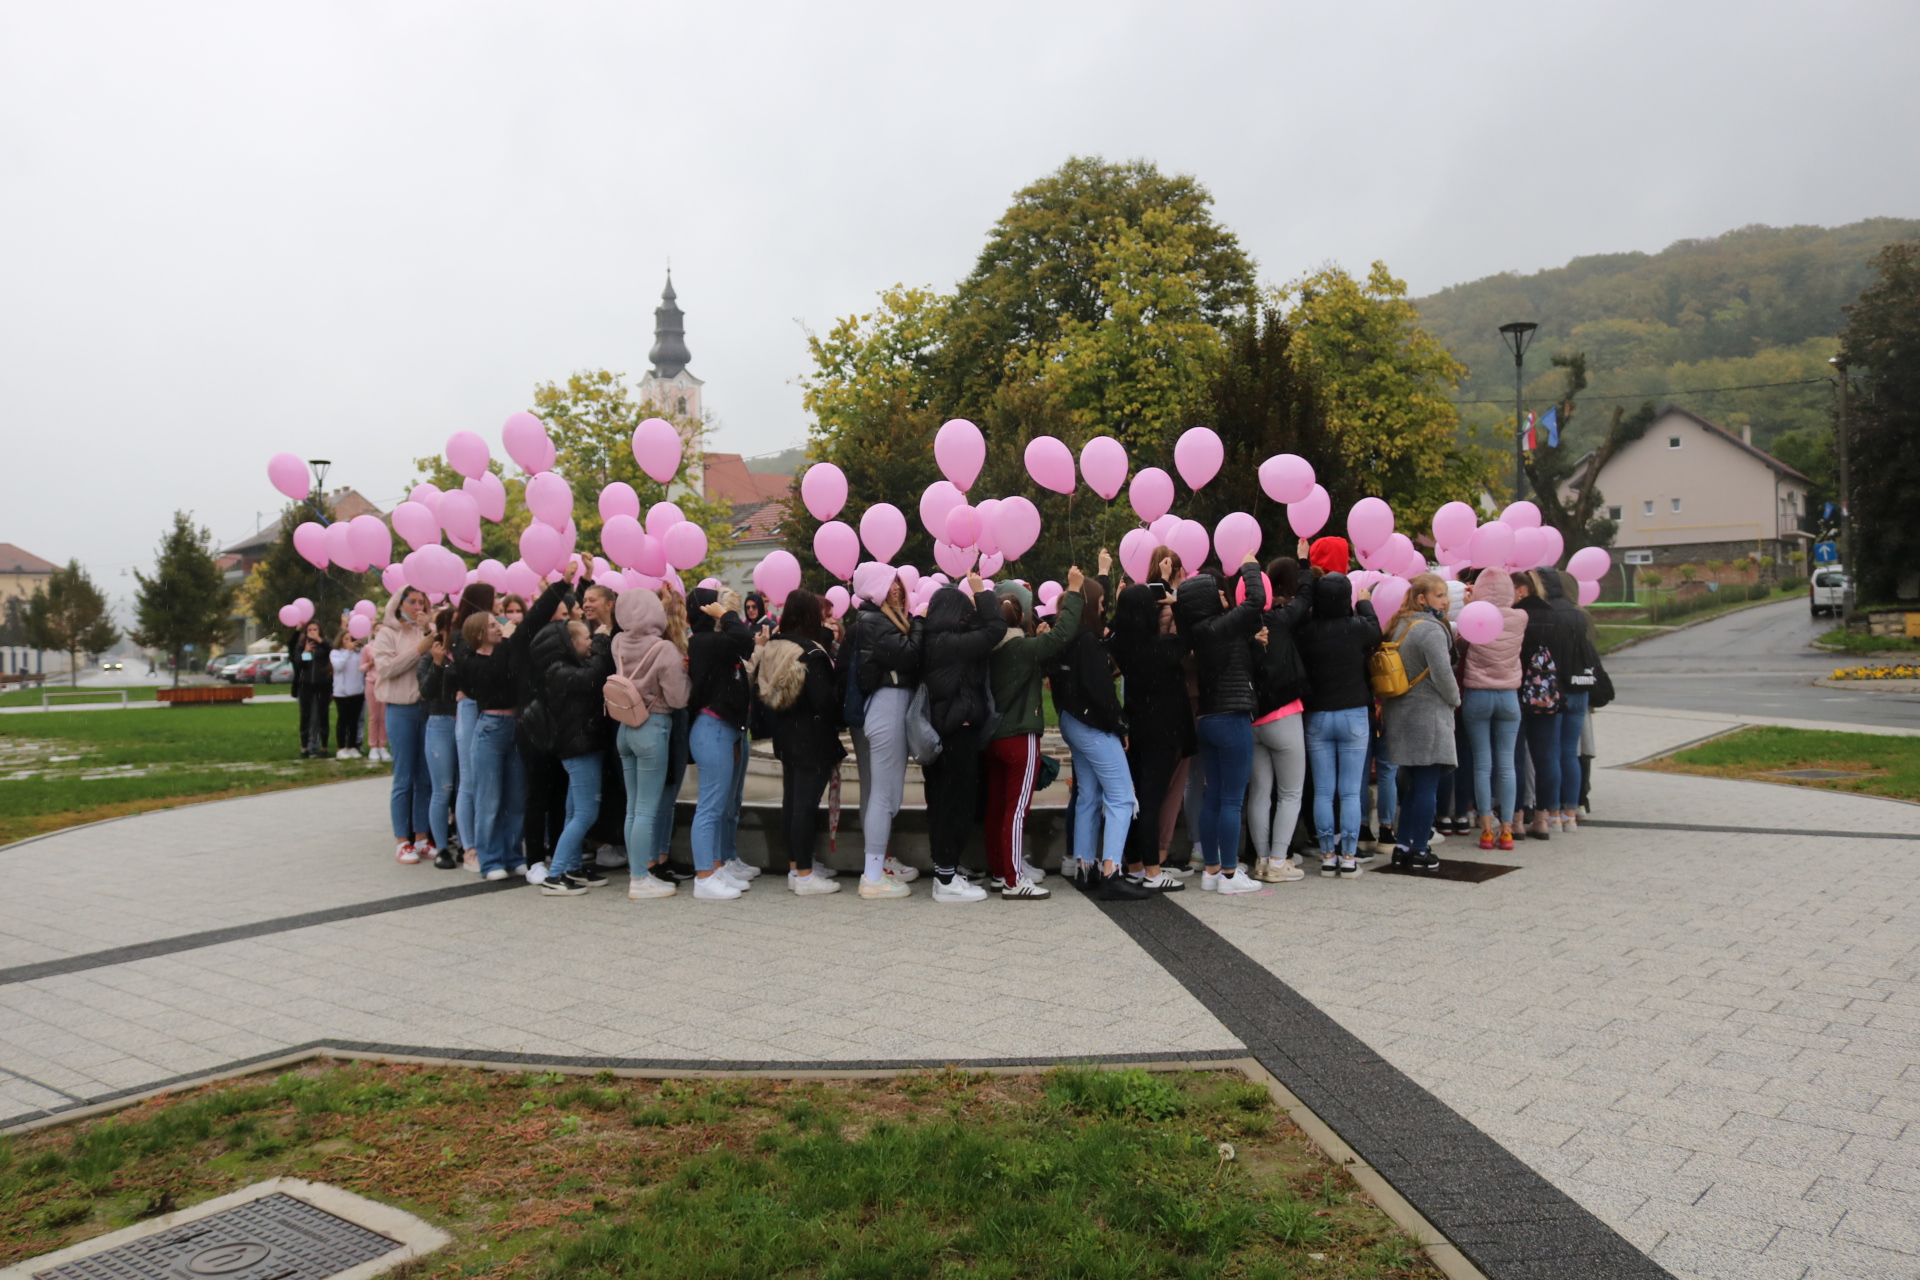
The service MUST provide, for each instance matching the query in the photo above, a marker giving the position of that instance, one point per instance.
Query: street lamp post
(1518, 336)
(1846, 489)
(318, 501)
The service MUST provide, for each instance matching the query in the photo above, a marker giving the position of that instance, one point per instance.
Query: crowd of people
(1273, 706)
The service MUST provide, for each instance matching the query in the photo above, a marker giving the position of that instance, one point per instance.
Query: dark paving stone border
(1508, 1220)
(778, 1066)
(256, 929)
(1749, 831)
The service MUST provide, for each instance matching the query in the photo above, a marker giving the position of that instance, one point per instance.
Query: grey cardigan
(1417, 726)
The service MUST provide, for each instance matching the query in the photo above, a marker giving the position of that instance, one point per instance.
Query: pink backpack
(621, 696)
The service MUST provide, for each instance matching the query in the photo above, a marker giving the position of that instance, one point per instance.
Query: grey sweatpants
(1279, 763)
(880, 751)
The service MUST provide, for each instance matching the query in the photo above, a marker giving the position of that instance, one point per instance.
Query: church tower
(668, 385)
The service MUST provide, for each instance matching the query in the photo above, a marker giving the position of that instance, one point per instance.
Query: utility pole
(1518, 336)
(1846, 487)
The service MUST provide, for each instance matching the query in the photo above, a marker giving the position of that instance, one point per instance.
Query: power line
(1697, 391)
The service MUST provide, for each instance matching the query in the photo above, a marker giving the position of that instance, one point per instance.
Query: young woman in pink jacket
(1491, 709)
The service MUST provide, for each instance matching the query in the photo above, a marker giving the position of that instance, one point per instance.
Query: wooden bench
(204, 693)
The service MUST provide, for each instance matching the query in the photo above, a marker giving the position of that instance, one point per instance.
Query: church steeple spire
(669, 354)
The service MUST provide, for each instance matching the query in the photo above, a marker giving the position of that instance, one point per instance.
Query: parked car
(1827, 590)
(222, 666)
(255, 668)
(279, 672)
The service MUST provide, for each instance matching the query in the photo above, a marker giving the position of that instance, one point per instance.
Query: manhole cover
(1814, 775)
(276, 1237)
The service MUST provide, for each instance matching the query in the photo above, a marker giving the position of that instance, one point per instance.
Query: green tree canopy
(187, 601)
(70, 614)
(1882, 340)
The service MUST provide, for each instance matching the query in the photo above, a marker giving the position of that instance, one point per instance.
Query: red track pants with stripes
(1011, 765)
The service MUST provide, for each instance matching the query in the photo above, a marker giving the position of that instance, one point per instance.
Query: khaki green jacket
(1019, 665)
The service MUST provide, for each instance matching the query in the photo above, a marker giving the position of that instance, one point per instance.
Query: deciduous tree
(69, 614)
(187, 602)
(1882, 340)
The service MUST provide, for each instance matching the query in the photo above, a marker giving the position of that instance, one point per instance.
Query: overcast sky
(349, 230)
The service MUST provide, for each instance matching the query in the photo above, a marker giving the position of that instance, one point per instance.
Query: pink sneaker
(404, 853)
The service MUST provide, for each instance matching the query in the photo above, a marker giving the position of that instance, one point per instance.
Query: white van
(1827, 590)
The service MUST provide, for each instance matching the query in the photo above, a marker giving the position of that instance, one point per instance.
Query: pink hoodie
(1496, 664)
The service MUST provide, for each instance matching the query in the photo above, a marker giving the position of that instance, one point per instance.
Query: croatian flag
(1526, 437)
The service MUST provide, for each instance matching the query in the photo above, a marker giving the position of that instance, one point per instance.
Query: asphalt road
(1755, 661)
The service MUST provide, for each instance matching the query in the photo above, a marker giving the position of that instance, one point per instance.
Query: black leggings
(1152, 766)
(314, 703)
(953, 796)
(346, 729)
(801, 787)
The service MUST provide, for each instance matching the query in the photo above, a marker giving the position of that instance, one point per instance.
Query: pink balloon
(777, 576)
(991, 564)
(1016, 527)
(550, 498)
(662, 516)
(335, 539)
(1491, 545)
(1528, 546)
(623, 539)
(467, 453)
(961, 451)
(367, 607)
(525, 437)
(288, 474)
(908, 575)
(310, 540)
(1309, 515)
(289, 616)
(1049, 591)
(1555, 544)
(962, 527)
(522, 580)
(416, 524)
(939, 498)
(1151, 494)
(1521, 515)
(1590, 564)
(489, 494)
(1589, 592)
(1453, 524)
(1190, 544)
(984, 540)
(359, 626)
(1240, 589)
(393, 578)
(542, 548)
(491, 572)
(460, 515)
(619, 499)
(1162, 529)
(302, 610)
(1235, 535)
(883, 529)
(824, 490)
(1197, 455)
(372, 542)
(1387, 595)
(952, 559)
(685, 545)
(1397, 553)
(1103, 461)
(1369, 524)
(837, 547)
(1287, 477)
(1136, 546)
(1480, 622)
(427, 494)
(838, 601)
(652, 560)
(657, 448)
(1050, 463)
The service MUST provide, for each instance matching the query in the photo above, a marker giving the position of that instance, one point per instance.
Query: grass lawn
(72, 697)
(1892, 764)
(1073, 1173)
(1612, 636)
(60, 769)
(1841, 638)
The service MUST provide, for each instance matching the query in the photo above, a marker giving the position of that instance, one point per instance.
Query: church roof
(669, 354)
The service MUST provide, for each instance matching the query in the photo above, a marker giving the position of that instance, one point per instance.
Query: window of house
(682, 405)
(1616, 514)
(1639, 557)
(1673, 442)
(1646, 508)
(1676, 506)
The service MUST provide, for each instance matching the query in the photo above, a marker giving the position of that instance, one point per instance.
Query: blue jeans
(583, 806)
(1386, 789)
(678, 753)
(1572, 721)
(1415, 832)
(721, 752)
(1493, 722)
(407, 742)
(444, 769)
(466, 718)
(643, 763)
(1543, 745)
(499, 793)
(1105, 787)
(1226, 749)
(1337, 753)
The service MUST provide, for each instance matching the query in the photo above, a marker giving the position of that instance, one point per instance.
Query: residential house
(21, 574)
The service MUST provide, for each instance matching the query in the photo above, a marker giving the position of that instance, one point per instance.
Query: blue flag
(1552, 423)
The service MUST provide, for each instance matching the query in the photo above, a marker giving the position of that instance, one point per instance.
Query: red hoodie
(1329, 555)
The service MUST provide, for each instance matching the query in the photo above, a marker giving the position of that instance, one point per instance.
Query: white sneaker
(957, 890)
(740, 871)
(885, 887)
(1164, 882)
(1280, 871)
(740, 882)
(901, 871)
(823, 870)
(1178, 872)
(715, 888)
(810, 884)
(1350, 867)
(342, 754)
(520, 869)
(609, 857)
(1210, 881)
(537, 873)
(1569, 823)
(1330, 865)
(1238, 882)
(403, 852)
(1030, 872)
(1553, 826)
(1025, 891)
(1436, 838)
(649, 887)
(498, 873)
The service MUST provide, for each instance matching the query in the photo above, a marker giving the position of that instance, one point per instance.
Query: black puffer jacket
(960, 634)
(1082, 680)
(1579, 624)
(1219, 640)
(1560, 631)
(889, 657)
(1283, 673)
(716, 681)
(1334, 646)
(1159, 711)
(574, 688)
